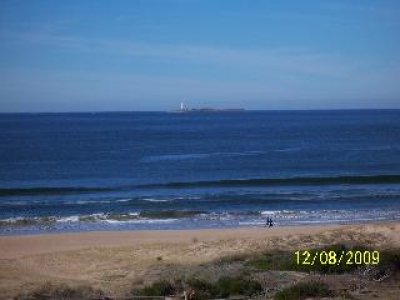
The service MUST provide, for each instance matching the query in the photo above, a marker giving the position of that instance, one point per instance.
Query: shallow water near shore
(121, 171)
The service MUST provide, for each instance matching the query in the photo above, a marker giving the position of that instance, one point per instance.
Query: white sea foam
(269, 212)
(187, 198)
(83, 202)
(141, 221)
(155, 200)
(98, 215)
(68, 219)
(124, 200)
(292, 212)
(92, 217)
(12, 220)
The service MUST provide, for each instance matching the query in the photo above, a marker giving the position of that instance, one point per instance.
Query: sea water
(164, 170)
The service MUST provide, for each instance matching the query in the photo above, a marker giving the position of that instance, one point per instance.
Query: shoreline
(128, 226)
(14, 246)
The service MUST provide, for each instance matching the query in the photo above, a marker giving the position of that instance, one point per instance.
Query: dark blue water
(108, 171)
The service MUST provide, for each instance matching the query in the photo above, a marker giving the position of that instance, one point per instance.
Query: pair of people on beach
(269, 223)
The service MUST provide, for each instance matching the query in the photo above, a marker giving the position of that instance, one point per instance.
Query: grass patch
(304, 290)
(224, 287)
(391, 259)
(388, 266)
(287, 261)
(233, 258)
(51, 291)
(230, 286)
(158, 288)
(273, 261)
(202, 290)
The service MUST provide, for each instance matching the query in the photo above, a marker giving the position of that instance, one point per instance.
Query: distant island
(185, 109)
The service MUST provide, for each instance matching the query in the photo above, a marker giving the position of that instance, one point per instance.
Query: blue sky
(153, 54)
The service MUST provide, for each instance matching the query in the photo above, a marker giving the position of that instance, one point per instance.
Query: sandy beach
(116, 261)
(16, 246)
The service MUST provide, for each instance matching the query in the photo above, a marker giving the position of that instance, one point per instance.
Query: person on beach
(269, 223)
(266, 222)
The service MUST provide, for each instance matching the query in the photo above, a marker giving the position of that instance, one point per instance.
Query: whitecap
(269, 212)
(124, 200)
(141, 221)
(68, 219)
(155, 200)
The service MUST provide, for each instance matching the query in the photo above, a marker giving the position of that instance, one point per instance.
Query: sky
(153, 54)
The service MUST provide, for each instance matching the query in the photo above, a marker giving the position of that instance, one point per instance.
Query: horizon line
(218, 110)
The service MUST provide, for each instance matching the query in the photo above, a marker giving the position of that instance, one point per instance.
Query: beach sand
(116, 261)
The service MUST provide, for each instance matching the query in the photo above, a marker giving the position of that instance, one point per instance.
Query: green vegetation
(158, 288)
(389, 265)
(249, 263)
(303, 290)
(228, 286)
(285, 261)
(61, 292)
(202, 290)
(273, 261)
(390, 259)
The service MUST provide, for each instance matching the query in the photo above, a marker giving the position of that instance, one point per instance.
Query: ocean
(72, 172)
